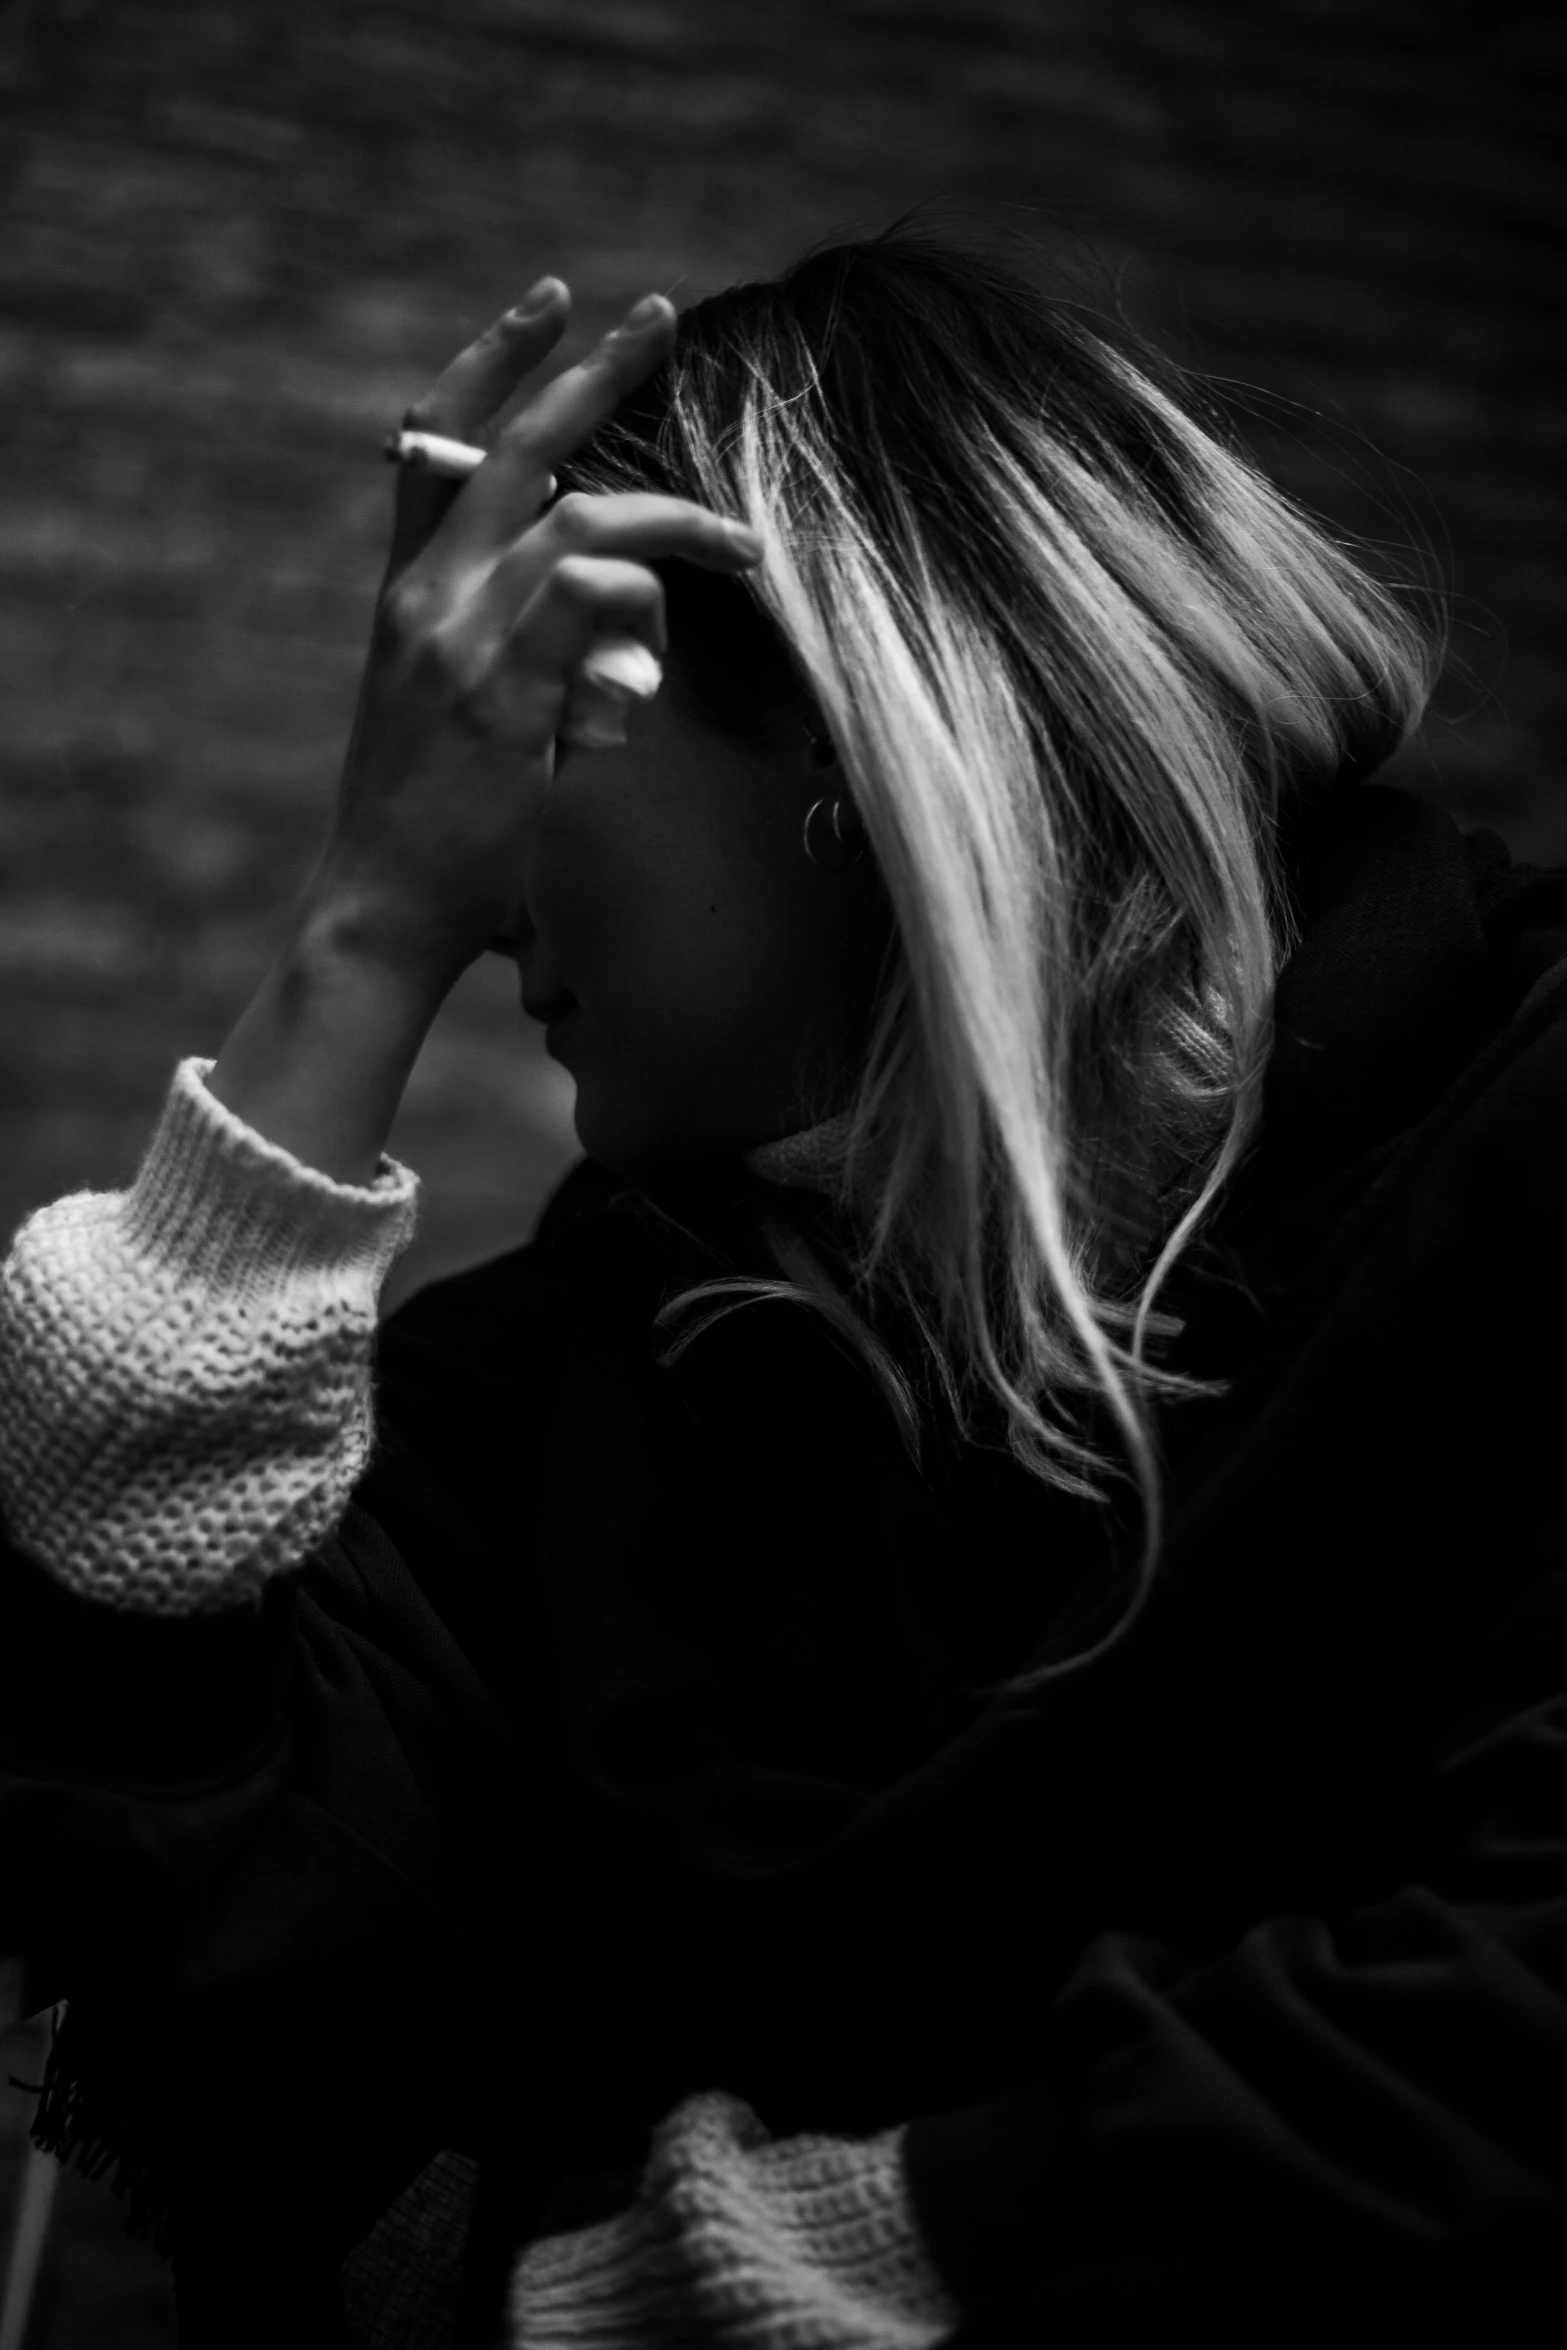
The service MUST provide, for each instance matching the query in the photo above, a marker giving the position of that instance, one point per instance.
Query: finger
(635, 525)
(482, 378)
(584, 598)
(465, 396)
(647, 526)
(561, 414)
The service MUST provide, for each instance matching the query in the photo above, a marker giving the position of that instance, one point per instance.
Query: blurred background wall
(238, 238)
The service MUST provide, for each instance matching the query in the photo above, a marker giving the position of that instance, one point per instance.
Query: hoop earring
(832, 835)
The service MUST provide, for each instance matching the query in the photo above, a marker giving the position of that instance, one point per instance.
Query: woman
(1010, 1789)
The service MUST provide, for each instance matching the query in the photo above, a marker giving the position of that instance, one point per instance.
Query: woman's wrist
(318, 1060)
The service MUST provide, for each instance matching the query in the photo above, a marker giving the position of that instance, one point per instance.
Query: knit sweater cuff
(185, 1367)
(804, 2244)
(610, 2287)
(215, 1202)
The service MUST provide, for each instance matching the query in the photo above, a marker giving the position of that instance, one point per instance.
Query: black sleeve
(142, 1753)
(250, 1853)
(1355, 2116)
(122, 1736)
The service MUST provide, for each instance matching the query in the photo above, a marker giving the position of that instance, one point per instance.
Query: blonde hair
(1075, 655)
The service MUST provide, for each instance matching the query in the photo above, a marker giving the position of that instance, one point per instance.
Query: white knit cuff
(185, 1367)
(610, 2287)
(215, 1202)
(741, 2243)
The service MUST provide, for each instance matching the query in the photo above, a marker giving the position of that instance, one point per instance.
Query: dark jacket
(634, 1737)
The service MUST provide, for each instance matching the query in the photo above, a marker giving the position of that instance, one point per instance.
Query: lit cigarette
(456, 459)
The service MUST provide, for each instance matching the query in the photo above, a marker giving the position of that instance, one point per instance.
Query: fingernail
(536, 298)
(746, 540)
(644, 312)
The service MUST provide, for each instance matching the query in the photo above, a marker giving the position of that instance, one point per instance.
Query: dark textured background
(237, 239)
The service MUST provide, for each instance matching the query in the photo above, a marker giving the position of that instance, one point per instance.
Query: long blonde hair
(1075, 655)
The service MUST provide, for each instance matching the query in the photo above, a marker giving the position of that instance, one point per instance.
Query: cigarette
(456, 459)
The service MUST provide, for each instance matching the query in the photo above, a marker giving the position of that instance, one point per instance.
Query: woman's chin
(611, 1133)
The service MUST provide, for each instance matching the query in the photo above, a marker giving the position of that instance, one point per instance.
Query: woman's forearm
(318, 1061)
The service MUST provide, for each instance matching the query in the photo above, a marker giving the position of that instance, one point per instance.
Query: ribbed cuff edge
(218, 1203)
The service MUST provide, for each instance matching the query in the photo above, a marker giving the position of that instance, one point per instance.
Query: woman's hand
(488, 605)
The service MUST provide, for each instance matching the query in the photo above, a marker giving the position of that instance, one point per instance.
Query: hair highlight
(1076, 656)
